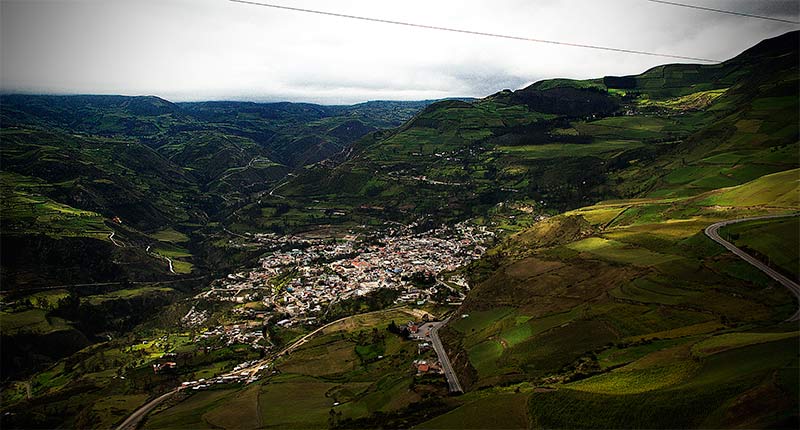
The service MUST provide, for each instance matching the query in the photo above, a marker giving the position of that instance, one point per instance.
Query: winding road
(132, 422)
(169, 260)
(272, 192)
(712, 232)
(114, 241)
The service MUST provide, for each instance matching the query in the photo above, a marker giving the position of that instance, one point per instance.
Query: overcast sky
(218, 50)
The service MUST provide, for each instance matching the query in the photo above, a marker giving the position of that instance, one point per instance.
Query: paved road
(133, 421)
(712, 231)
(452, 378)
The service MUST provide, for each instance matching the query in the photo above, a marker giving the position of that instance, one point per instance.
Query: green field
(25, 210)
(775, 241)
(776, 190)
(699, 401)
(601, 303)
(189, 413)
(502, 411)
(619, 252)
(127, 294)
(728, 341)
(30, 321)
(603, 149)
(329, 368)
(170, 235)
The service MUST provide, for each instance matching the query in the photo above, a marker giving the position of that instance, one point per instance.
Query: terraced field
(325, 381)
(770, 241)
(602, 305)
(645, 337)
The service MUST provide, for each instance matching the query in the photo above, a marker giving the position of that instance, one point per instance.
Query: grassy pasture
(479, 320)
(484, 356)
(692, 403)
(630, 320)
(622, 381)
(602, 149)
(689, 330)
(599, 216)
(644, 290)
(729, 341)
(634, 128)
(500, 411)
(240, 412)
(30, 321)
(24, 211)
(775, 190)
(622, 354)
(326, 359)
(190, 412)
(778, 240)
(546, 353)
(126, 294)
(170, 235)
(698, 100)
(113, 409)
(619, 252)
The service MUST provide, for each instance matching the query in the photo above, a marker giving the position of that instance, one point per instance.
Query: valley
(549, 257)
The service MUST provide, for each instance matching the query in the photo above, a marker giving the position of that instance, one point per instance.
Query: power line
(730, 12)
(475, 33)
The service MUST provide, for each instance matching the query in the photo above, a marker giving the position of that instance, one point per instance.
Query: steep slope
(673, 130)
(615, 313)
(210, 137)
(115, 177)
(631, 308)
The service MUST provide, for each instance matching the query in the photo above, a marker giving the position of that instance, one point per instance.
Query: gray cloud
(215, 49)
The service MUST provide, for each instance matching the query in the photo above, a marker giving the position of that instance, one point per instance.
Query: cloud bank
(215, 49)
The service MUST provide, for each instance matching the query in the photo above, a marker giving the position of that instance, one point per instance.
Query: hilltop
(674, 130)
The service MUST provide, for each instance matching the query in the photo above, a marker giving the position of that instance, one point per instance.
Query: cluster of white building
(301, 277)
(246, 333)
(244, 372)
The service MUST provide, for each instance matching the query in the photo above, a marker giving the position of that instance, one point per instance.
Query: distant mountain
(673, 130)
(152, 164)
(604, 305)
(623, 313)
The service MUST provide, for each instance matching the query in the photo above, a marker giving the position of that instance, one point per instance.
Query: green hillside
(71, 163)
(106, 194)
(602, 303)
(639, 307)
(675, 130)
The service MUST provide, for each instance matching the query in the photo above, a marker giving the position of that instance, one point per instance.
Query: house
(422, 365)
(169, 365)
